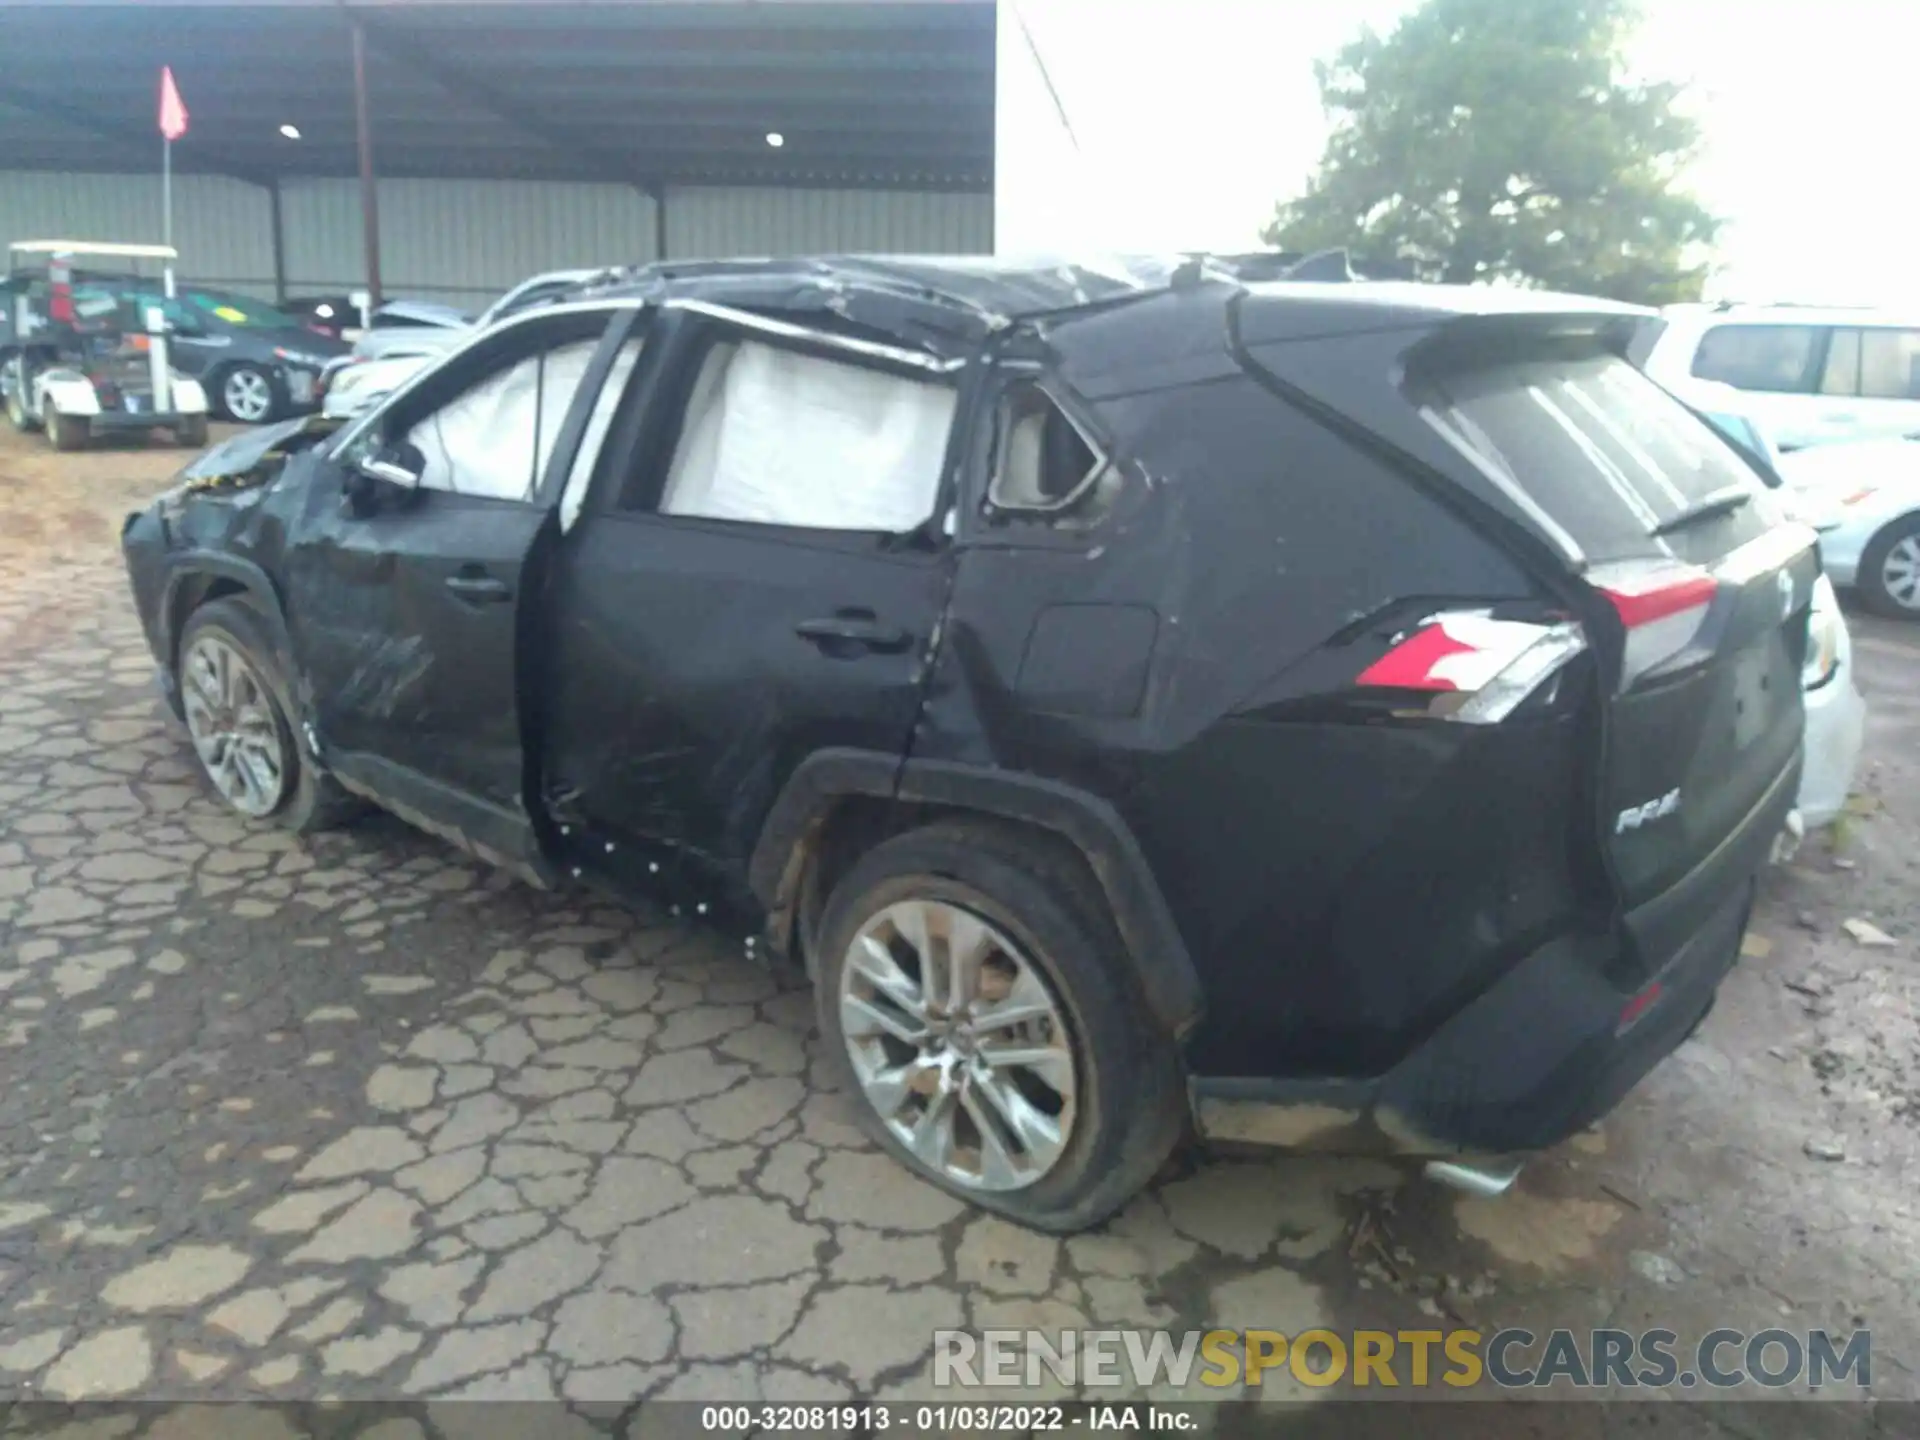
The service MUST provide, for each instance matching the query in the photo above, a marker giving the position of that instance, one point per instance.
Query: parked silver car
(385, 357)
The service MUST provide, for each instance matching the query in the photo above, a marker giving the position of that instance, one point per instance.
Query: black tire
(1871, 580)
(68, 432)
(276, 401)
(17, 413)
(191, 432)
(312, 801)
(1130, 1097)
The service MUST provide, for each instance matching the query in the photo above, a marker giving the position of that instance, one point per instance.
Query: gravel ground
(357, 1118)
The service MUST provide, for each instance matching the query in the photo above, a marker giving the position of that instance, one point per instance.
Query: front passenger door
(405, 602)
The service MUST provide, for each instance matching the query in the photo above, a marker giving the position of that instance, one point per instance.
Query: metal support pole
(279, 243)
(369, 198)
(659, 194)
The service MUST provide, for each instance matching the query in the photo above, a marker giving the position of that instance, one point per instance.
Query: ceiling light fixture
(776, 139)
(292, 132)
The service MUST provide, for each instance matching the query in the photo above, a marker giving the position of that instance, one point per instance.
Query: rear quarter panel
(1339, 885)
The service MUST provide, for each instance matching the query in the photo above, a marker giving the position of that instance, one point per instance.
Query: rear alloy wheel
(958, 1044)
(978, 1010)
(1889, 580)
(247, 394)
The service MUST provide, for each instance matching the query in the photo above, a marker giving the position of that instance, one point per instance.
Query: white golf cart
(75, 358)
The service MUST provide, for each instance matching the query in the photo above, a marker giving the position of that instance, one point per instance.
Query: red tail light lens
(1663, 604)
(1482, 666)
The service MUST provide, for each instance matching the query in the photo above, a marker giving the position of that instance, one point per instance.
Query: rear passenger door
(1785, 369)
(1872, 381)
(758, 574)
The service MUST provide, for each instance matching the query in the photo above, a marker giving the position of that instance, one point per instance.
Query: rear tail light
(1662, 604)
(1478, 669)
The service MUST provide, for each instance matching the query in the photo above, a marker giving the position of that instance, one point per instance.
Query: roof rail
(1721, 307)
(1324, 265)
(1336, 266)
(93, 247)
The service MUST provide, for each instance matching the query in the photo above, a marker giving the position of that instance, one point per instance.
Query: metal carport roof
(886, 93)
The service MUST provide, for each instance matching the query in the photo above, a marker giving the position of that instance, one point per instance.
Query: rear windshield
(1599, 452)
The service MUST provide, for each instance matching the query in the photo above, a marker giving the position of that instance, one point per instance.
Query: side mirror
(399, 465)
(387, 479)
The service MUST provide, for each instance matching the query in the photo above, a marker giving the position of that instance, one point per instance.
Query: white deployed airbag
(781, 438)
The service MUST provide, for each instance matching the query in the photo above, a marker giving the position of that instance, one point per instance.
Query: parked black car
(1341, 714)
(257, 363)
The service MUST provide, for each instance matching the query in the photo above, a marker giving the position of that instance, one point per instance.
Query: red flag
(173, 110)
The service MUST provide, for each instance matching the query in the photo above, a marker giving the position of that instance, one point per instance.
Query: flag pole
(166, 208)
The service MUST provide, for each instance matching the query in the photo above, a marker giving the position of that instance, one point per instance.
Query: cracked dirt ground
(360, 1118)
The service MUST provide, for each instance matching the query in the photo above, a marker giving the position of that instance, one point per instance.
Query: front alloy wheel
(1900, 572)
(247, 395)
(234, 729)
(1889, 577)
(959, 1045)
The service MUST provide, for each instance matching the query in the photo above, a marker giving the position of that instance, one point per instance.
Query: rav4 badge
(1634, 816)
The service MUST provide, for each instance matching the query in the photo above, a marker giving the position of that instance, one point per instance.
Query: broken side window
(1044, 462)
(776, 437)
(494, 439)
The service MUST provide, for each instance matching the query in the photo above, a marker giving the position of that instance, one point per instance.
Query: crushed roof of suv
(973, 296)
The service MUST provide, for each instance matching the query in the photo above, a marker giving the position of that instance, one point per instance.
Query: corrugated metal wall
(224, 226)
(797, 222)
(458, 240)
(465, 241)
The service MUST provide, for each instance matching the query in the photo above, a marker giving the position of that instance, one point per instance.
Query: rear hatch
(1690, 584)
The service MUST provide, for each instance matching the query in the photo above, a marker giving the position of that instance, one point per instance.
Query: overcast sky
(1194, 116)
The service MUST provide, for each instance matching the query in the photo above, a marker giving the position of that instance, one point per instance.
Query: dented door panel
(685, 692)
(693, 662)
(404, 626)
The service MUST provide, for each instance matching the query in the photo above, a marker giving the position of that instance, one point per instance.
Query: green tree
(1506, 139)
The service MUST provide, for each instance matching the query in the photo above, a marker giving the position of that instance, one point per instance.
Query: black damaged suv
(1319, 714)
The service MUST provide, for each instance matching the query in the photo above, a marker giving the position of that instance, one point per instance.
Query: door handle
(853, 631)
(480, 589)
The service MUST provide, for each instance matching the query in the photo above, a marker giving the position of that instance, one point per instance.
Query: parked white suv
(1809, 375)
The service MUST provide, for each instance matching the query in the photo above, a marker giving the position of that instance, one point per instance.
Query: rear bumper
(108, 421)
(1836, 730)
(1544, 1052)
